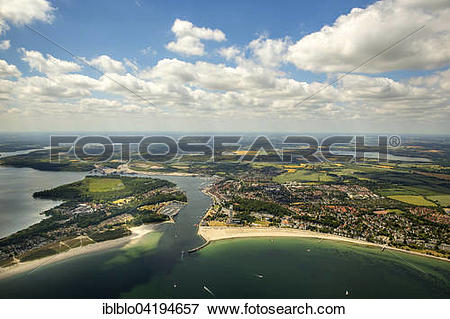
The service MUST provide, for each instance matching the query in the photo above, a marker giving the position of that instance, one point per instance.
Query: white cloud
(107, 64)
(269, 52)
(4, 45)
(203, 90)
(48, 64)
(21, 12)
(246, 76)
(229, 53)
(188, 38)
(25, 11)
(361, 34)
(45, 89)
(253, 88)
(8, 70)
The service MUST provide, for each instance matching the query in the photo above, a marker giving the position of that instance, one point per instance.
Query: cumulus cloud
(46, 89)
(245, 76)
(21, 12)
(254, 87)
(8, 70)
(248, 90)
(362, 33)
(25, 11)
(188, 38)
(229, 53)
(107, 64)
(48, 64)
(269, 52)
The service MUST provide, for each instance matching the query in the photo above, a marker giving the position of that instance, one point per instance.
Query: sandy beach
(30, 266)
(221, 233)
(124, 169)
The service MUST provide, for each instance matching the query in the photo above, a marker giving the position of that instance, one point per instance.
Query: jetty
(193, 250)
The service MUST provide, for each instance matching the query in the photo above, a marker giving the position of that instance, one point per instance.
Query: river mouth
(158, 266)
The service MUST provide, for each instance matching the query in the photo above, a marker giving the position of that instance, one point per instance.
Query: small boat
(308, 250)
(182, 254)
(347, 293)
(209, 291)
(259, 276)
(174, 285)
(383, 248)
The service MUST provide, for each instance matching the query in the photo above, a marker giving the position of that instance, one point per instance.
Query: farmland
(304, 176)
(105, 185)
(413, 200)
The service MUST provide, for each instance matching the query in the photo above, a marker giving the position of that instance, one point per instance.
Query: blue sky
(121, 29)
(280, 53)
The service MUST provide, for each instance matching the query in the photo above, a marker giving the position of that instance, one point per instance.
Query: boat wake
(209, 291)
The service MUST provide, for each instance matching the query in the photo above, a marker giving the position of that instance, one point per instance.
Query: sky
(205, 66)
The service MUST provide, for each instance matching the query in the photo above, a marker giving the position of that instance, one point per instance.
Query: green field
(103, 188)
(98, 185)
(304, 176)
(413, 200)
(44, 251)
(78, 242)
(443, 200)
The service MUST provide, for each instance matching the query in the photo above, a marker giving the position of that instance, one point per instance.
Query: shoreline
(30, 266)
(216, 233)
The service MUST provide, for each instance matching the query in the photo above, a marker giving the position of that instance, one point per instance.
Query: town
(349, 210)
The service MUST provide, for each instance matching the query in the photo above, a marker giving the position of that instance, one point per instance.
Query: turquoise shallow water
(290, 267)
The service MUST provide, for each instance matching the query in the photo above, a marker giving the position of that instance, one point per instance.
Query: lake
(18, 208)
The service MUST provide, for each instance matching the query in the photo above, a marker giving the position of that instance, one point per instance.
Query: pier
(193, 250)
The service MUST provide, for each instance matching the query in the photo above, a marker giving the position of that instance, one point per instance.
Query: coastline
(30, 266)
(215, 233)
